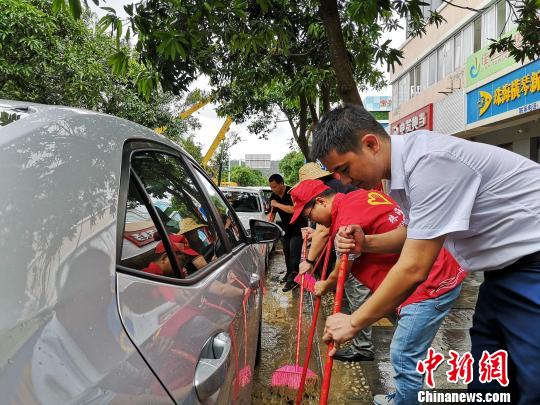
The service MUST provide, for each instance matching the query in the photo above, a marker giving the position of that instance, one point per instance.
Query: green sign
(380, 115)
(480, 65)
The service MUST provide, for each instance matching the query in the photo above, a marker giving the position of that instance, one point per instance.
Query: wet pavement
(352, 383)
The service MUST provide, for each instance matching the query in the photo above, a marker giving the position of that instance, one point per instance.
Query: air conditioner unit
(418, 89)
(413, 93)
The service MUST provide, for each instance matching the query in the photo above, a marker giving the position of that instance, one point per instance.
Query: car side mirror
(264, 231)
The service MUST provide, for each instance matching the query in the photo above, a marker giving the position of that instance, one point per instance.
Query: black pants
(292, 249)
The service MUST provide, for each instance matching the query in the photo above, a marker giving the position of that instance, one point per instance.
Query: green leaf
(118, 32)
(75, 8)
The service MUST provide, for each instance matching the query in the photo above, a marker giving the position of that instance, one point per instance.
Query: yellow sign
(485, 101)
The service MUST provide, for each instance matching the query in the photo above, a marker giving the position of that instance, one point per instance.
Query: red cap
(179, 243)
(303, 193)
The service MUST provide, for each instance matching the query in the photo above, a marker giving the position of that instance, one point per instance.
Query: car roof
(240, 189)
(60, 176)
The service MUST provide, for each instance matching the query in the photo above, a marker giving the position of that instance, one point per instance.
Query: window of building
(404, 88)
(501, 17)
(489, 26)
(161, 192)
(445, 64)
(395, 95)
(458, 51)
(424, 72)
(467, 41)
(510, 16)
(432, 62)
(477, 34)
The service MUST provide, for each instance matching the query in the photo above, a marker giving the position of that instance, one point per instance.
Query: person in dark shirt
(282, 203)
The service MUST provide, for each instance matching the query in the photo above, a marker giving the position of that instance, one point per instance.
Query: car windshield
(243, 201)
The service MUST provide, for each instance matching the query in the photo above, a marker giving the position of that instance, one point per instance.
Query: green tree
(246, 176)
(53, 59)
(289, 166)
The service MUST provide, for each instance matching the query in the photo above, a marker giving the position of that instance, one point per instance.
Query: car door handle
(254, 281)
(211, 371)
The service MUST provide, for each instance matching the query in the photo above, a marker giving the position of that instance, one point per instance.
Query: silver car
(248, 203)
(126, 277)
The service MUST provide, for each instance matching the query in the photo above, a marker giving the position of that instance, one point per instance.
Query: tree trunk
(346, 85)
(325, 95)
(302, 128)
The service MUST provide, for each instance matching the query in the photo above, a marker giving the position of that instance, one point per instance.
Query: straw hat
(311, 171)
(189, 224)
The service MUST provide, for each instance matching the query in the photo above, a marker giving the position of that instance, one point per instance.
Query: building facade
(450, 83)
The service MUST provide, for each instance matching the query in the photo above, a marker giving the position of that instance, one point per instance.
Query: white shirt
(484, 198)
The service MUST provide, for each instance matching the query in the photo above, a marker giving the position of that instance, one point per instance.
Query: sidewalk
(352, 383)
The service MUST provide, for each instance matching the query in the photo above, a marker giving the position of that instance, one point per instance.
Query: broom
(289, 375)
(313, 324)
(342, 274)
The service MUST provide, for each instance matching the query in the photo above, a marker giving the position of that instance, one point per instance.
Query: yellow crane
(219, 137)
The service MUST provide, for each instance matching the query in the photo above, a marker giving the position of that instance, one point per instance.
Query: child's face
(321, 212)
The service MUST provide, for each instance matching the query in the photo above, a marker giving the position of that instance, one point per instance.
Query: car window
(232, 228)
(243, 201)
(180, 207)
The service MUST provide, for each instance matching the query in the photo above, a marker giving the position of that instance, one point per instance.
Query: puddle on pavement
(280, 311)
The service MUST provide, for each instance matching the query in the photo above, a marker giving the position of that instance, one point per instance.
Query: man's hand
(321, 288)
(350, 239)
(338, 328)
(305, 267)
(274, 203)
(307, 231)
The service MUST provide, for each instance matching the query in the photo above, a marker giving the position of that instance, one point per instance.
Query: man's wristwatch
(312, 262)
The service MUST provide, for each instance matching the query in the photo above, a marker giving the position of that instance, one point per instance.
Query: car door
(177, 287)
(252, 258)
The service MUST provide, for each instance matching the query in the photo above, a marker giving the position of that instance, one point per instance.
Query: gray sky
(278, 141)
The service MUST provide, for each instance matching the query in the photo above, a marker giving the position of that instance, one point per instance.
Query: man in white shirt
(479, 201)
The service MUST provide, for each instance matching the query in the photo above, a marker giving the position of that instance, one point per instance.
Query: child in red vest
(421, 314)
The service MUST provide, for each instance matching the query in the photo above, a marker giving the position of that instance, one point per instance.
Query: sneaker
(290, 285)
(384, 399)
(348, 354)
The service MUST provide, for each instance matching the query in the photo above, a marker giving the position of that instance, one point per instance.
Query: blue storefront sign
(518, 90)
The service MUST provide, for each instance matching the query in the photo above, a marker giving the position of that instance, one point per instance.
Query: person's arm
(324, 286)
(318, 241)
(289, 209)
(411, 269)
(352, 239)
(389, 242)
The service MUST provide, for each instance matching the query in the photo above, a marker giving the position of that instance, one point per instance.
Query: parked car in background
(249, 203)
(126, 276)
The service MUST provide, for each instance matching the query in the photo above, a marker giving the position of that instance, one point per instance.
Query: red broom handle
(300, 393)
(342, 272)
(300, 306)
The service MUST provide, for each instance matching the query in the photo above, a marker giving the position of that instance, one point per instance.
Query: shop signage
(518, 90)
(378, 103)
(420, 119)
(481, 64)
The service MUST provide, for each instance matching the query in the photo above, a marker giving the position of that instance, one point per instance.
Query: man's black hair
(341, 128)
(326, 193)
(277, 178)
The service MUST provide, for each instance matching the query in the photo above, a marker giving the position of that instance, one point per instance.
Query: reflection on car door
(186, 318)
(252, 259)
